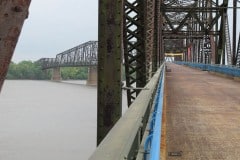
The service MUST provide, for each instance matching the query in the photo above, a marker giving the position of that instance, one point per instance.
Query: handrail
(223, 69)
(153, 140)
(123, 140)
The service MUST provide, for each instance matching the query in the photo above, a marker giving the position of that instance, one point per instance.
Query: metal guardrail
(223, 69)
(124, 139)
(153, 141)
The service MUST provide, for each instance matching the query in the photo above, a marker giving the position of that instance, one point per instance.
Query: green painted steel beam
(134, 46)
(109, 66)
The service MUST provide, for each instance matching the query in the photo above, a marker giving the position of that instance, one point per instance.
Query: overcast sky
(54, 26)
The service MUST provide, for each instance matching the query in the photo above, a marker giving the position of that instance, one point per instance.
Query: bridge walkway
(203, 115)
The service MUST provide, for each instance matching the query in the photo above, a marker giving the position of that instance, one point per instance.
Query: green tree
(74, 73)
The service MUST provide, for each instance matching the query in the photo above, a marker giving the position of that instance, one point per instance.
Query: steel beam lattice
(134, 47)
(228, 43)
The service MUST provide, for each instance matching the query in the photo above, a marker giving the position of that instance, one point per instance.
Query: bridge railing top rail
(218, 65)
(124, 139)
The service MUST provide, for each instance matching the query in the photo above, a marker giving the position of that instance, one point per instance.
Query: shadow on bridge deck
(203, 115)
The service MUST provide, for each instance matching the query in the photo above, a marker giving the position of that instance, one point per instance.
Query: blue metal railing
(153, 141)
(223, 69)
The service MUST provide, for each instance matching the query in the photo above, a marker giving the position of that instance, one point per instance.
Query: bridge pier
(92, 75)
(56, 74)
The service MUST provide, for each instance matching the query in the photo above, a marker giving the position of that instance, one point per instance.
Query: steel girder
(196, 24)
(82, 55)
(109, 108)
(12, 16)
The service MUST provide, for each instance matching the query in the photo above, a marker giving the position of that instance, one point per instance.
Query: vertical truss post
(12, 16)
(134, 47)
(161, 40)
(157, 28)
(222, 34)
(234, 59)
(221, 45)
(211, 54)
(216, 56)
(222, 40)
(109, 66)
(149, 42)
(238, 52)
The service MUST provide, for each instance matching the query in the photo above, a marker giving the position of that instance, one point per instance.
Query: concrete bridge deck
(203, 115)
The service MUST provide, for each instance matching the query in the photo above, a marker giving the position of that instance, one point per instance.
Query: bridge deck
(203, 115)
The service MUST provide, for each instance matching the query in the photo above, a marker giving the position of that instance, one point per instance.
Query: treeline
(32, 70)
(27, 70)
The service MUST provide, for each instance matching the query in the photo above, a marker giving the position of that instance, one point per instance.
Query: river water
(44, 120)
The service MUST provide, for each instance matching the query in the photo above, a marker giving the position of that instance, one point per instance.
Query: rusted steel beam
(149, 32)
(12, 16)
(156, 46)
(134, 47)
(109, 66)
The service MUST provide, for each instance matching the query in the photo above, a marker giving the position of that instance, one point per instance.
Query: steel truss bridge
(81, 55)
(197, 30)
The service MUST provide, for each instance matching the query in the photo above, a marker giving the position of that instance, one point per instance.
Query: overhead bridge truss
(82, 55)
(201, 28)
